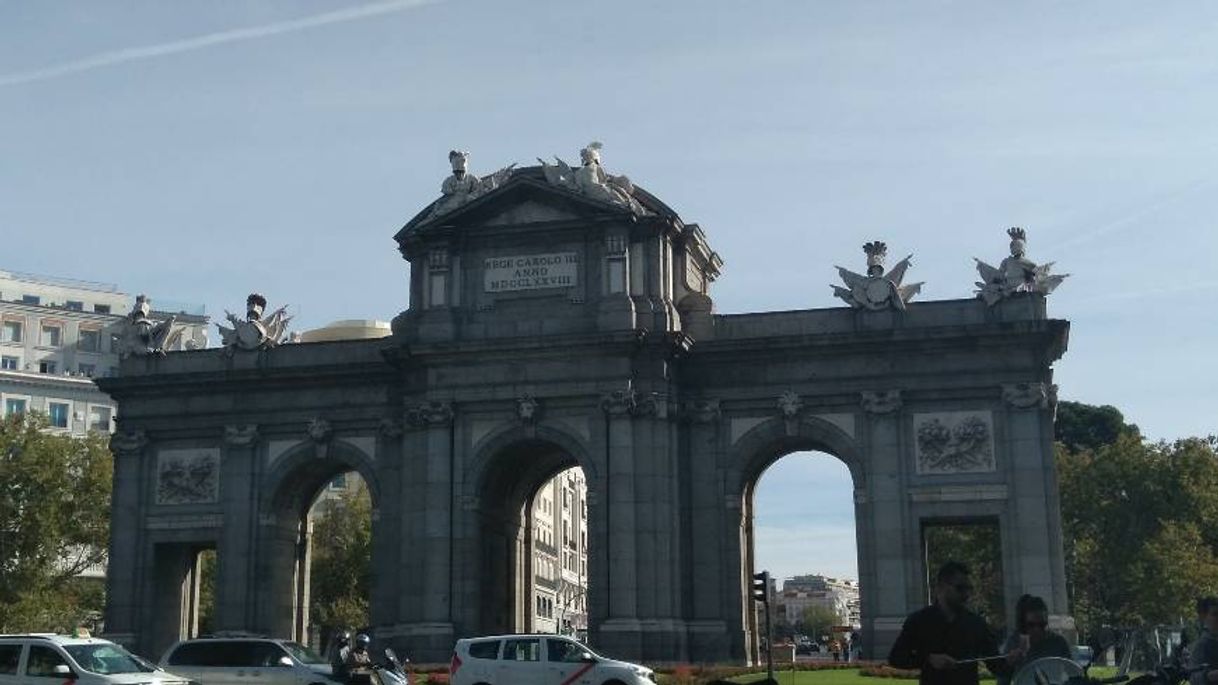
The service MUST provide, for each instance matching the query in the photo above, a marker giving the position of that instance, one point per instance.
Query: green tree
(342, 560)
(207, 591)
(54, 524)
(1087, 427)
(979, 547)
(816, 620)
(1140, 530)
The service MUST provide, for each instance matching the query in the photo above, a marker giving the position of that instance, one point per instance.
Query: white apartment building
(841, 596)
(560, 555)
(56, 334)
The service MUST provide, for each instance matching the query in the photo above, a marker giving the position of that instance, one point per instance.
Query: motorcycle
(391, 672)
(1058, 671)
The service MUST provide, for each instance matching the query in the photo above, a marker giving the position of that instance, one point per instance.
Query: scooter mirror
(391, 654)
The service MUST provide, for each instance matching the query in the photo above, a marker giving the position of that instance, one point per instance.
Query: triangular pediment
(526, 199)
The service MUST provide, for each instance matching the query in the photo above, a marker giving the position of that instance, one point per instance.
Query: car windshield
(303, 654)
(584, 647)
(107, 659)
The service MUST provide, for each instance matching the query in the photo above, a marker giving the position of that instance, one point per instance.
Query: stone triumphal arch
(560, 316)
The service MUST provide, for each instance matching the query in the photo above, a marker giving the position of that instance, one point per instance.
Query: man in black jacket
(937, 638)
(1204, 652)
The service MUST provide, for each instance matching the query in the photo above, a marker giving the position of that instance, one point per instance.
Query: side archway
(751, 455)
(284, 554)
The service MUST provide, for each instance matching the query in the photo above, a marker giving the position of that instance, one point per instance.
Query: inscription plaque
(530, 272)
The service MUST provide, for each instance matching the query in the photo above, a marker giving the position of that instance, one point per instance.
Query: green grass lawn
(834, 677)
(852, 677)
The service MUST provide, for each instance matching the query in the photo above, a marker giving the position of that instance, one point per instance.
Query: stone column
(1034, 528)
(387, 526)
(432, 631)
(123, 571)
(236, 555)
(884, 533)
(716, 630)
(619, 632)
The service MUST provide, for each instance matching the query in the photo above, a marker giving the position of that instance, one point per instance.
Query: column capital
(1029, 395)
(128, 442)
(881, 401)
(240, 435)
(701, 411)
(428, 414)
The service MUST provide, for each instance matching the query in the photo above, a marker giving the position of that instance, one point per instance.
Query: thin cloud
(1133, 217)
(116, 57)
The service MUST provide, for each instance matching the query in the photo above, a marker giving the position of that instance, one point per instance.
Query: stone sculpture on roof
(877, 290)
(141, 336)
(255, 332)
(1016, 274)
(592, 181)
(462, 187)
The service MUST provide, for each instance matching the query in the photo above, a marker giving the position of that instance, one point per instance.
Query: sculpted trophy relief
(591, 179)
(254, 332)
(141, 336)
(462, 187)
(877, 290)
(1015, 274)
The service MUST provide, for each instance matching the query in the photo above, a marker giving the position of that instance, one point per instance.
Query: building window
(11, 331)
(89, 340)
(14, 406)
(88, 370)
(99, 419)
(74, 305)
(47, 366)
(59, 412)
(101, 308)
(52, 335)
(30, 299)
(8, 363)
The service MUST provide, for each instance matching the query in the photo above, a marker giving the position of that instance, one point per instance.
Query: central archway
(517, 591)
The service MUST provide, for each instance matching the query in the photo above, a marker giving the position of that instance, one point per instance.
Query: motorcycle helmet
(362, 640)
(344, 638)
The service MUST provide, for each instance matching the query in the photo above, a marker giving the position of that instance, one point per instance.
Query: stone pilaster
(236, 554)
(123, 583)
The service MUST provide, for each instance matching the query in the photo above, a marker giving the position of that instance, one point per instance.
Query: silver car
(247, 661)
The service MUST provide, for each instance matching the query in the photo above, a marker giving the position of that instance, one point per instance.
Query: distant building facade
(560, 555)
(841, 596)
(56, 336)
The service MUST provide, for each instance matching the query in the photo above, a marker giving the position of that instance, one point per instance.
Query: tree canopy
(342, 560)
(54, 524)
(1141, 534)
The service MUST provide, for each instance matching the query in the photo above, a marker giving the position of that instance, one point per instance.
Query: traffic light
(761, 587)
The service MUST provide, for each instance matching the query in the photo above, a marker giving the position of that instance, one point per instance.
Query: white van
(538, 660)
(49, 659)
(247, 661)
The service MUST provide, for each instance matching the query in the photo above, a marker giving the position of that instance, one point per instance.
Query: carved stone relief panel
(954, 442)
(188, 476)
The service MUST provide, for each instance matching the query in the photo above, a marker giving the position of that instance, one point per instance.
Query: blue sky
(199, 151)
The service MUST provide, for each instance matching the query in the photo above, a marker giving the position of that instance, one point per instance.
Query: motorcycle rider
(359, 661)
(338, 660)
